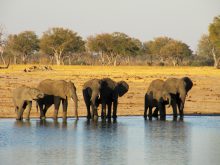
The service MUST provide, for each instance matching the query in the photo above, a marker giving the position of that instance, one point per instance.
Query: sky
(184, 20)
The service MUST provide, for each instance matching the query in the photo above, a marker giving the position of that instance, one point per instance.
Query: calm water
(130, 140)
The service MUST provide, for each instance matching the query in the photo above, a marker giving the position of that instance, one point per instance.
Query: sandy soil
(204, 98)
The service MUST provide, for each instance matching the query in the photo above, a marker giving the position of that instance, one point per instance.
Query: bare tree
(2, 43)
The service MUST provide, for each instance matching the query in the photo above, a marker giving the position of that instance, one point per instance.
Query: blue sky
(184, 20)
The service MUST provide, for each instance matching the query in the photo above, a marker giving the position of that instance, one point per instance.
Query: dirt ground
(204, 98)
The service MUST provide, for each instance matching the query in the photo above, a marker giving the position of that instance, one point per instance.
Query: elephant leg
(162, 110)
(145, 113)
(174, 106)
(115, 106)
(56, 106)
(41, 104)
(145, 106)
(29, 105)
(103, 113)
(109, 110)
(88, 103)
(150, 113)
(88, 111)
(180, 107)
(65, 105)
(46, 107)
(155, 113)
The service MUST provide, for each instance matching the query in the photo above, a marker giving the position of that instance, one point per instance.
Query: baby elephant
(22, 97)
(157, 97)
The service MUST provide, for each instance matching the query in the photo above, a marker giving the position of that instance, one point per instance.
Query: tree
(114, 45)
(2, 43)
(158, 43)
(59, 42)
(176, 51)
(100, 44)
(24, 44)
(167, 48)
(204, 48)
(153, 47)
(147, 50)
(214, 37)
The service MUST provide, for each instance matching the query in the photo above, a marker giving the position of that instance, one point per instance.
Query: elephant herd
(104, 91)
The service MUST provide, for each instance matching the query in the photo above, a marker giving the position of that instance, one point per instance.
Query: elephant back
(155, 85)
(94, 84)
(172, 85)
(53, 87)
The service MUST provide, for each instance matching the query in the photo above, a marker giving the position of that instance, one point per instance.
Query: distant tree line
(64, 46)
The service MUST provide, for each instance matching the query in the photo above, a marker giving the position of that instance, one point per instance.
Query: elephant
(178, 89)
(22, 98)
(110, 91)
(157, 97)
(44, 104)
(91, 94)
(56, 91)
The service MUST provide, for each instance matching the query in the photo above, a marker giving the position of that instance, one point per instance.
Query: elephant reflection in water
(21, 123)
(171, 139)
(100, 143)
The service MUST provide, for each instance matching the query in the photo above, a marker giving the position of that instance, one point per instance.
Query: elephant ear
(69, 89)
(122, 88)
(188, 83)
(59, 88)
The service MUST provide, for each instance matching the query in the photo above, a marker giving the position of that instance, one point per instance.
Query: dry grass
(203, 98)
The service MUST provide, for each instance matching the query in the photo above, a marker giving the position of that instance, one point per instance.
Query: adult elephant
(57, 91)
(91, 95)
(110, 91)
(178, 89)
(157, 97)
(22, 98)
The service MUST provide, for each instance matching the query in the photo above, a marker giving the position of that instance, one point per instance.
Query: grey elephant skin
(110, 91)
(22, 98)
(157, 97)
(56, 91)
(91, 94)
(178, 89)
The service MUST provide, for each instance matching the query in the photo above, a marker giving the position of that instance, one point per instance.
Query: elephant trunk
(169, 100)
(19, 114)
(75, 100)
(182, 98)
(94, 102)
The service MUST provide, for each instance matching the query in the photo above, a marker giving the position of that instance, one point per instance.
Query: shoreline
(170, 115)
